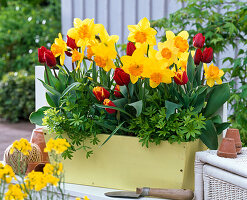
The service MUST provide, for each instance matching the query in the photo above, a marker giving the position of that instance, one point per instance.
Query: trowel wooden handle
(176, 194)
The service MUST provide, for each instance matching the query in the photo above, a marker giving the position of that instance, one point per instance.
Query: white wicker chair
(220, 178)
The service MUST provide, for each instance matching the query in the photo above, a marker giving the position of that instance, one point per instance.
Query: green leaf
(50, 89)
(120, 102)
(95, 74)
(209, 135)
(221, 127)
(113, 132)
(114, 108)
(36, 117)
(52, 100)
(138, 107)
(123, 90)
(171, 108)
(70, 87)
(190, 68)
(217, 97)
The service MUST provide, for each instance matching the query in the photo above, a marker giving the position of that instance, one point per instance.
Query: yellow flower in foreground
(167, 52)
(213, 74)
(15, 193)
(59, 145)
(77, 56)
(85, 198)
(6, 173)
(22, 145)
(183, 60)
(59, 47)
(142, 32)
(135, 65)
(82, 32)
(180, 41)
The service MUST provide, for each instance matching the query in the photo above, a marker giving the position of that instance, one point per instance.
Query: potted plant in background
(166, 99)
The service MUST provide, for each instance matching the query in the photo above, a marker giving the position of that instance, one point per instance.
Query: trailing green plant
(16, 96)
(221, 30)
(24, 27)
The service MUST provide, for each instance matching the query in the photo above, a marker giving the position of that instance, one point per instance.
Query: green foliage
(16, 96)
(24, 27)
(221, 29)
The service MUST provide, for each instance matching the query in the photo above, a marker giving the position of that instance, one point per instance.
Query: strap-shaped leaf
(70, 87)
(191, 68)
(138, 107)
(36, 117)
(171, 108)
(217, 97)
(209, 135)
(52, 100)
(50, 89)
(114, 108)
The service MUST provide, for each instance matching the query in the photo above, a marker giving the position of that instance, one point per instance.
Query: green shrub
(17, 96)
(25, 26)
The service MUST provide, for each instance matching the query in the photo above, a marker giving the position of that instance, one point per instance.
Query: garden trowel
(176, 194)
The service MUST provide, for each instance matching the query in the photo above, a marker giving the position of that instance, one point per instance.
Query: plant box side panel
(122, 163)
(191, 150)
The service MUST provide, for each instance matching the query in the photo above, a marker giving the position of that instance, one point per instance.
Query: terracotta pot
(227, 148)
(39, 139)
(234, 134)
(36, 166)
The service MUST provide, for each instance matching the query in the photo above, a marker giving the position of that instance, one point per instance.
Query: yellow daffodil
(157, 71)
(82, 32)
(213, 74)
(135, 65)
(167, 52)
(22, 145)
(59, 145)
(182, 63)
(6, 173)
(104, 55)
(77, 56)
(59, 47)
(142, 33)
(180, 41)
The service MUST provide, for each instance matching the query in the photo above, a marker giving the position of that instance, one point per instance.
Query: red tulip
(41, 56)
(198, 40)
(198, 56)
(50, 58)
(117, 92)
(181, 77)
(108, 102)
(130, 48)
(121, 77)
(70, 43)
(207, 55)
(101, 93)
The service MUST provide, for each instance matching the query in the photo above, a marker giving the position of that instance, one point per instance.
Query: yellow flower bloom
(22, 145)
(77, 56)
(183, 60)
(167, 52)
(59, 47)
(77, 198)
(59, 145)
(213, 74)
(82, 32)
(157, 71)
(15, 193)
(86, 198)
(135, 65)
(6, 173)
(142, 32)
(180, 41)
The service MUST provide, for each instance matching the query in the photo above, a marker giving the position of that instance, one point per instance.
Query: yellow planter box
(122, 163)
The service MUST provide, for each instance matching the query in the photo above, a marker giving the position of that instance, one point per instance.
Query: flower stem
(47, 75)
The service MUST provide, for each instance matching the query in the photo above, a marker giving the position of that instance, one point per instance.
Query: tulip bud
(198, 40)
(130, 48)
(117, 92)
(50, 59)
(181, 77)
(121, 77)
(101, 93)
(198, 56)
(70, 43)
(108, 102)
(207, 55)
(41, 56)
